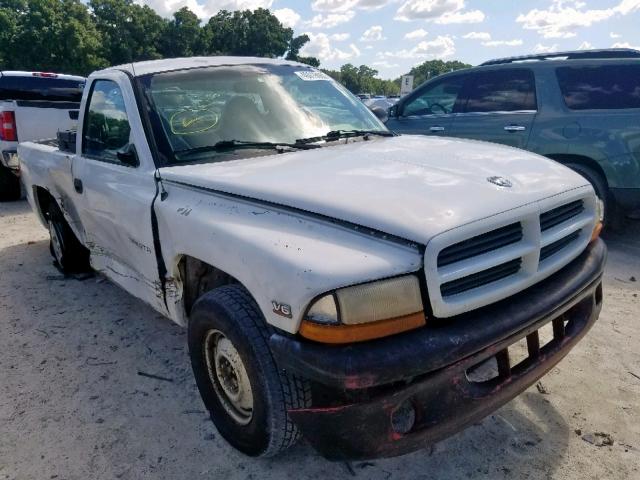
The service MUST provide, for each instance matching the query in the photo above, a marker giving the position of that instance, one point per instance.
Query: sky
(394, 35)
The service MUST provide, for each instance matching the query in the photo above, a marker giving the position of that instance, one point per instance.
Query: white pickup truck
(365, 290)
(33, 106)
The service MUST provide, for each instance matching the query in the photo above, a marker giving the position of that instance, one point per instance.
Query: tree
(130, 32)
(183, 36)
(56, 35)
(433, 68)
(295, 45)
(248, 33)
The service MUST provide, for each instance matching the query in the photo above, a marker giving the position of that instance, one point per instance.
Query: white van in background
(33, 106)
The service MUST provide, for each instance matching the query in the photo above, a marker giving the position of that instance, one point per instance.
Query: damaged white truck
(339, 282)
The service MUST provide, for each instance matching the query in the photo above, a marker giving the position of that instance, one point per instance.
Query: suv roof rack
(573, 55)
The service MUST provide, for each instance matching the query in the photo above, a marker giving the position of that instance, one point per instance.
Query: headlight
(367, 311)
(599, 219)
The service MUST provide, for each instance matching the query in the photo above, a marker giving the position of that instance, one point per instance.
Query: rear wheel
(601, 188)
(70, 255)
(9, 185)
(246, 394)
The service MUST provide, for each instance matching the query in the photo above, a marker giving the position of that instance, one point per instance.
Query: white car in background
(33, 106)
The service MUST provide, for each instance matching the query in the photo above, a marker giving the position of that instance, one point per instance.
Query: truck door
(498, 106)
(115, 188)
(429, 110)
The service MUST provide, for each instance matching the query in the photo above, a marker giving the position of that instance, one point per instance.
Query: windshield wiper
(338, 134)
(227, 145)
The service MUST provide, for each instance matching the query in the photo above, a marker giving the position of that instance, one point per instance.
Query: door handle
(77, 185)
(515, 128)
(436, 129)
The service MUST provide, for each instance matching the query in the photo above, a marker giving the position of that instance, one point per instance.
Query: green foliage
(183, 36)
(67, 36)
(129, 32)
(295, 45)
(363, 79)
(48, 35)
(247, 33)
(433, 68)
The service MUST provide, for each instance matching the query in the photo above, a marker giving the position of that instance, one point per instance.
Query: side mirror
(394, 111)
(381, 113)
(127, 155)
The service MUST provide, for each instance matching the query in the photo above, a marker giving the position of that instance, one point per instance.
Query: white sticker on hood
(311, 75)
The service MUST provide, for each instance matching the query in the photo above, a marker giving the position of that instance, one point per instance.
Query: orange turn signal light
(596, 231)
(338, 334)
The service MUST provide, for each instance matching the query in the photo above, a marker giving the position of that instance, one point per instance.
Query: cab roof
(165, 65)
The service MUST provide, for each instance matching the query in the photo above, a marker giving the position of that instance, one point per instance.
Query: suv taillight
(8, 129)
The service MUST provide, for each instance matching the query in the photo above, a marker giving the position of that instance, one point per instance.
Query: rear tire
(70, 255)
(9, 185)
(243, 389)
(602, 190)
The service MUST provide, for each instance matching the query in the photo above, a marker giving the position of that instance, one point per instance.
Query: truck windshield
(195, 110)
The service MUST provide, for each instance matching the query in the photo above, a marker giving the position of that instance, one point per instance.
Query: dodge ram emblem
(500, 181)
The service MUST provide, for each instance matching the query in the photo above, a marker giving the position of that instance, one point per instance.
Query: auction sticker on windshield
(309, 75)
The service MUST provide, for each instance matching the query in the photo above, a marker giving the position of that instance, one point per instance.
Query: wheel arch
(193, 277)
(43, 200)
(566, 158)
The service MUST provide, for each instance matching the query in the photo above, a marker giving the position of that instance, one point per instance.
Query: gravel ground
(73, 405)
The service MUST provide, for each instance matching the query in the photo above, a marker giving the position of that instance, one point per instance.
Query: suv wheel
(245, 392)
(601, 188)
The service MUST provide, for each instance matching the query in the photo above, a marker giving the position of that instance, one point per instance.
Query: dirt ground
(73, 406)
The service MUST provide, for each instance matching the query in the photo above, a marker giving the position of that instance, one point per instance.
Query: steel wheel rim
(56, 243)
(229, 377)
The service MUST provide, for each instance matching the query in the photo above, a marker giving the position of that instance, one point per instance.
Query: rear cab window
(507, 90)
(606, 87)
(33, 88)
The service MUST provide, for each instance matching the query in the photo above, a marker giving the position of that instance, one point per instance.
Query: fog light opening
(403, 418)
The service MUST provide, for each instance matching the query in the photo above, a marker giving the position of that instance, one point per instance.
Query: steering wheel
(437, 105)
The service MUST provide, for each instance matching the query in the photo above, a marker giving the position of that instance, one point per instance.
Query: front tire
(245, 392)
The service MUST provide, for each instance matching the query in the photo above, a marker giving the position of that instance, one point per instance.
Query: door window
(508, 90)
(438, 98)
(106, 126)
(605, 87)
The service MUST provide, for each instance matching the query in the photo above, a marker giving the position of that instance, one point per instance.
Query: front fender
(277, 254)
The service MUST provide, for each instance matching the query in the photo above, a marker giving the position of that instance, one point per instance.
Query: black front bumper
(427, 369)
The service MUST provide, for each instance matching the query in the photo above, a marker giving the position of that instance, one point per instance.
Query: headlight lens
(324, 310)
(372, 302)
(367, 311)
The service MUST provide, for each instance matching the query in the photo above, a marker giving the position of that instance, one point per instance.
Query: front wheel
(245, 392)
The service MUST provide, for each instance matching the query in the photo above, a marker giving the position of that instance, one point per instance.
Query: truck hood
(411, 187)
